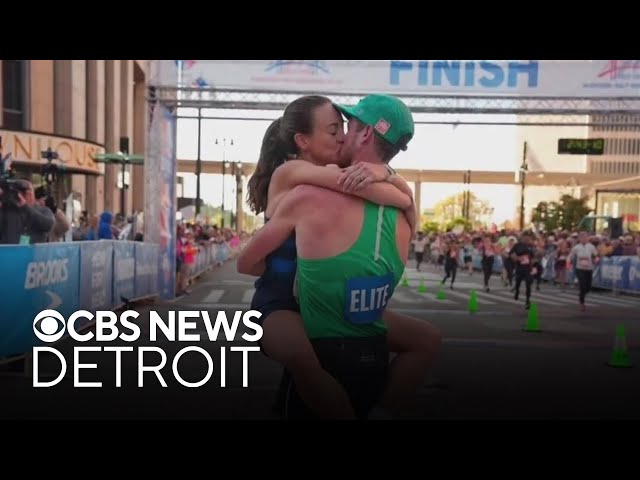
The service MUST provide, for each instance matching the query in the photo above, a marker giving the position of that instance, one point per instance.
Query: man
(351, 253)
(22, 220)
(583, 257)
(522, 254)
(61, 224)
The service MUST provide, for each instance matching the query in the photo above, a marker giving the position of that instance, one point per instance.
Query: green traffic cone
(405, 281)
(440, 294)
(532, 320)
(620, 355)
(422, 288)
(473, 302)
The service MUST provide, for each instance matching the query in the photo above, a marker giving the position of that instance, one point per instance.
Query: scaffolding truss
(531, 110)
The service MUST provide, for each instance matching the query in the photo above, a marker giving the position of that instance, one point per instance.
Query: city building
(618, 194)
(76, 108)
(614, 188)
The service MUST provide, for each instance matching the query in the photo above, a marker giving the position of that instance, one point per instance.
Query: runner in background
(419, 245)
(522, 254)
(488, 251)
(584, 256)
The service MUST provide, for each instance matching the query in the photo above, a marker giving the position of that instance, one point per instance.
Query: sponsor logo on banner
(316, 72)
(616, 75)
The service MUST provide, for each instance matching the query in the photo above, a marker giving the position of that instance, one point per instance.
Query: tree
(547, 214)
(445, 211)
(456, 222)
(565, 214)
(429, 227)
(573, 209)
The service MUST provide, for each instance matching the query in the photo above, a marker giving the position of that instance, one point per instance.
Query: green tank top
(345, 295)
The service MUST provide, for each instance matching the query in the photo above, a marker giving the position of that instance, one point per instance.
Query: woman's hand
(362, 174)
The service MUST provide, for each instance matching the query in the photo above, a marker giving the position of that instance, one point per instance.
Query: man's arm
(409, 212)
(61, 223)
(41, 219)
(271, 235)
(299, 172)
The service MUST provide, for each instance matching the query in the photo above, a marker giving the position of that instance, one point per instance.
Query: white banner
(160, 196)
(536, 78)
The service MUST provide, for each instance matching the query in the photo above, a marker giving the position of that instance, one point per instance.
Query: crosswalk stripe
(458, 296)
(248, 295)
(408, 311)
(534, 298)
(465, 296)
(598, 300)
(410, 297)
(214, 296)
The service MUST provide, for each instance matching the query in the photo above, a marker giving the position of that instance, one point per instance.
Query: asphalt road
(489, 367)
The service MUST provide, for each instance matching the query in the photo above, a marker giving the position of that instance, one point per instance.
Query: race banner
(534, 78)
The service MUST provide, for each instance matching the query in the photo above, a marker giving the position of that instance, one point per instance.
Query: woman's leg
(285, 340)
(487, 267)
(454, 270)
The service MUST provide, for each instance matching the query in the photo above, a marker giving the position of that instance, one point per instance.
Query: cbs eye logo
(49, 326)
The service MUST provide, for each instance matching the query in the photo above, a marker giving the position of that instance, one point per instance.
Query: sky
(490, 148)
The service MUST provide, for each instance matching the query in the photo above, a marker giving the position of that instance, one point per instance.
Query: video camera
(8, 185)
(49, 170)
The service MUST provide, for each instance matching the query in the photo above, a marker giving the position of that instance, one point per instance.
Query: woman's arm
(251, 260)
(299, 172)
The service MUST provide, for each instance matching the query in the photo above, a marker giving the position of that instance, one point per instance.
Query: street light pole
(198, 164)
(466, 202)
(523, 173)
(238, 199)
(224, 171)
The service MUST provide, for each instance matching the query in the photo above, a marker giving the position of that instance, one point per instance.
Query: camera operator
(61, 225)
(22, 221)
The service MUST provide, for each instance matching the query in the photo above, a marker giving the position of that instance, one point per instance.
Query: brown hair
(278, 145)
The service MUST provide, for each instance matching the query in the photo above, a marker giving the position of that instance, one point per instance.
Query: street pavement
(489, 367)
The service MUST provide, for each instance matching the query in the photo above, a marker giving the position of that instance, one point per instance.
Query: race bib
(584, 262)
(524, 260)
(366, 298)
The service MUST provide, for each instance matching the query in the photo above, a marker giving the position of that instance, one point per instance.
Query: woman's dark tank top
(276, 283)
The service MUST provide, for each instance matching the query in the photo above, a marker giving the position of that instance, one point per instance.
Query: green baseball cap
(390, 118)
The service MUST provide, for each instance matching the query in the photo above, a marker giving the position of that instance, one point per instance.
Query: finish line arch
(582, 92)
(531, 87)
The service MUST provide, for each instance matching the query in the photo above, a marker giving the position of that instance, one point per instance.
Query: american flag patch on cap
(382, 126)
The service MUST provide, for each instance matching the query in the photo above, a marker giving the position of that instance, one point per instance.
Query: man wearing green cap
(351, 256)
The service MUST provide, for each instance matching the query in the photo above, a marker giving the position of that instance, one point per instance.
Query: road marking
(248, 296)
(213, 297)
(408, 311)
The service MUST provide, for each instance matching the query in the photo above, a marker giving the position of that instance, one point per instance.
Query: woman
(105, 227)
(488, 252)
(560, 263)
(467, 250)
(451, 253)
(312, 129)
(536, 272)
(92, 230)
(508, 264)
